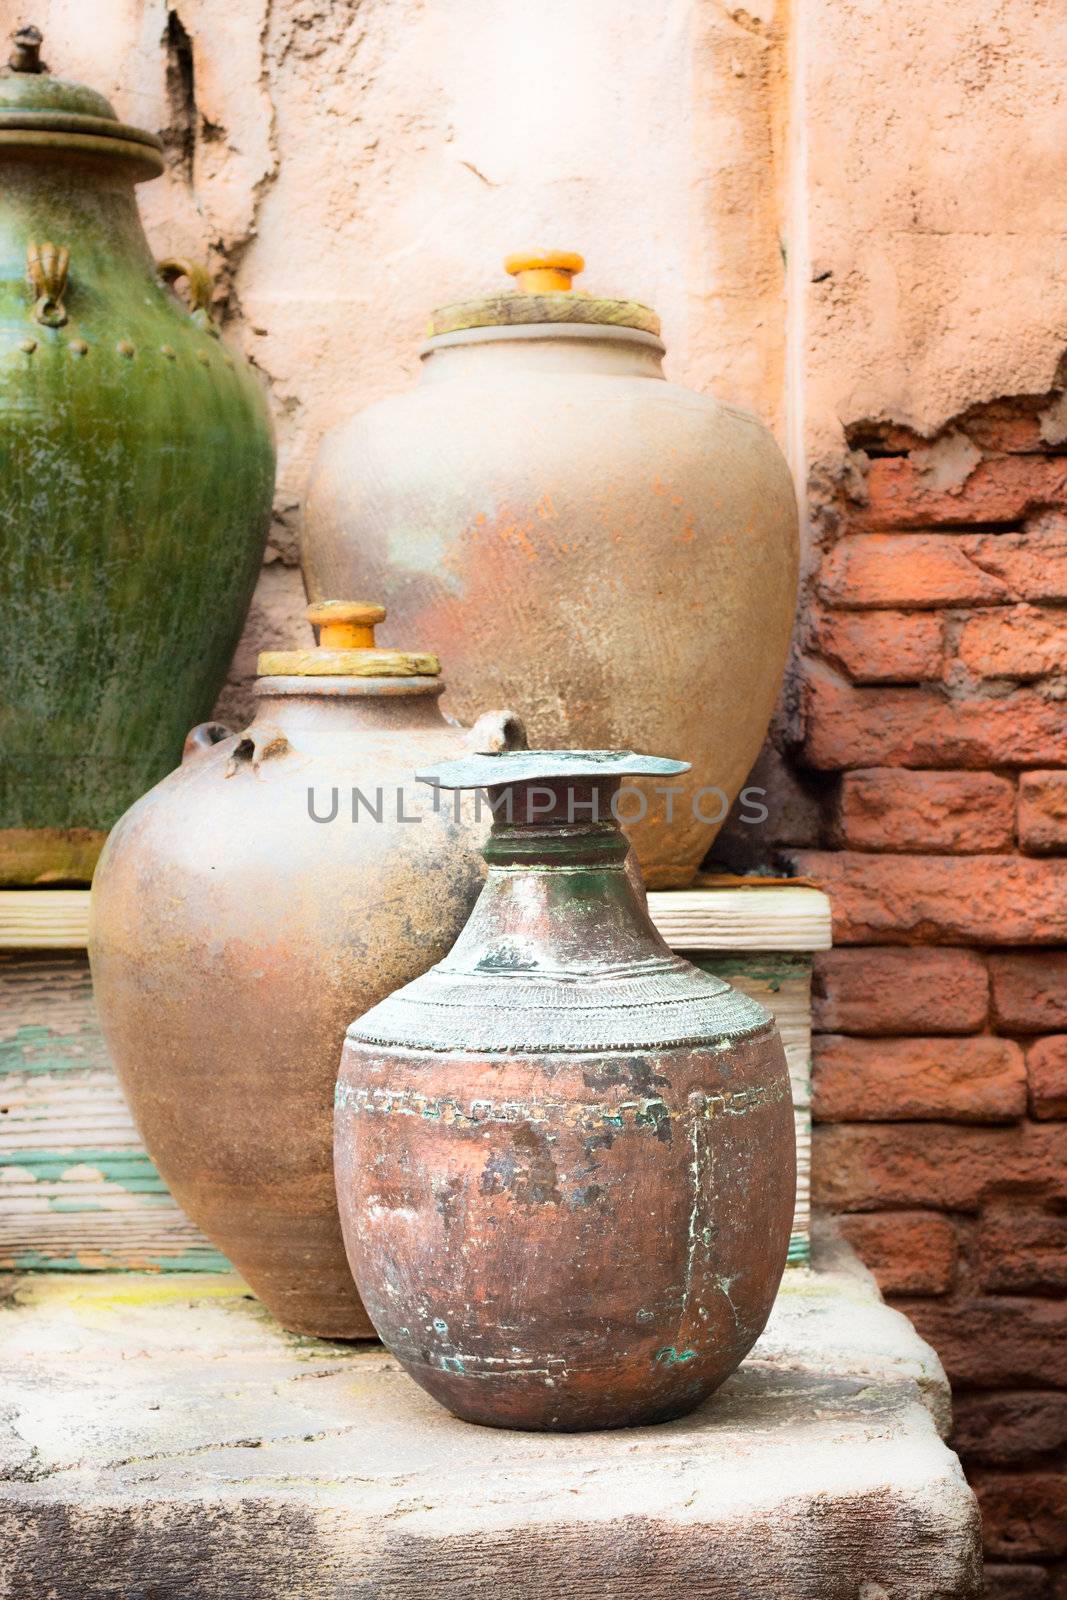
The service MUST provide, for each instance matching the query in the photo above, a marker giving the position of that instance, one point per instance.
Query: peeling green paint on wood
(195, 1258)
(130, 1169)
(77, 1191)
(33, 1048)
(770, 969)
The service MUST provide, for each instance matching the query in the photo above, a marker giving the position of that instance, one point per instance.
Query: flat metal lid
(490, 769)
(544, 293)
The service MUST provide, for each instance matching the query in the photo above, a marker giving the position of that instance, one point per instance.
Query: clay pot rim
(347, 688)
(587, 332)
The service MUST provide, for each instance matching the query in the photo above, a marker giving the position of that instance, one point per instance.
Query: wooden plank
(44, 919)
(773, 918)
(76, 1187)
(777, 918)
(77, 1190)
(782, 983)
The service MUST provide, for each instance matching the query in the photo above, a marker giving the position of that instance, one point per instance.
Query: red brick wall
(930, 724)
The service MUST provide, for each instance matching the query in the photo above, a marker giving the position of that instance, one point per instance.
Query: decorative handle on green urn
(46, 267)
(199, 283)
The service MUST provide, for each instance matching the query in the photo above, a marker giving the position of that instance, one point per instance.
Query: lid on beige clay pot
(544, 292)
(346, 648)
(42, 113)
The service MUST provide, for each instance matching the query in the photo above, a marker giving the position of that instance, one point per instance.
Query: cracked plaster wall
(935, 155)
(345, 166)
(845, 210)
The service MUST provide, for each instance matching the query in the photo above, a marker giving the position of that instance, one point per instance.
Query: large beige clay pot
(610, 553)
(234, 938)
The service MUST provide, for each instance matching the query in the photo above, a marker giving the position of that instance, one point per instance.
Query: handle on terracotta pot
(198, 281)
(47, 266)
(498, 730)
(255, 747)
(204, 737)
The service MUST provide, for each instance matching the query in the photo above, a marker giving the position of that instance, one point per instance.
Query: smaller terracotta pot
(565, 1157)
(235, 930)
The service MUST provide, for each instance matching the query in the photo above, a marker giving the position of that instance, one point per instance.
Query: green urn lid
(40, 112)
(544, 293)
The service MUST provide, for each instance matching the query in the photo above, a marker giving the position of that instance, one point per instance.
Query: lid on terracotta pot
(544, 292)
(38, 111)
(346, 648)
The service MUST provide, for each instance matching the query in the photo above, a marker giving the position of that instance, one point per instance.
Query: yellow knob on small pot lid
(346, 648)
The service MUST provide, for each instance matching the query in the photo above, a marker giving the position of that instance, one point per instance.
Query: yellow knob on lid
(544, 271)
(346, 648)
(345, 624)
(544, 293)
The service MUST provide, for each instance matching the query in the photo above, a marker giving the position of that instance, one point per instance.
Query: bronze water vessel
(565, 1157)
(281, 880)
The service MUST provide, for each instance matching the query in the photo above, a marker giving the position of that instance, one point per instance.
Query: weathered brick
(999, 489)
(909, 1252)
(874, 571)
(893, 808)
(880, 437)
(1043, 812)
(1024, 1514)
(1006, 1428)
(1020, 641)
(846, 726)
(911, 899)
(1023, 1252)
(1046, 1069)
(994, 1343)
(884, 646)
(1002, 426)
(981, 1079)
(891, 990)
(921, 1165)
(1032, 564)
(1030, 990)
(1016, 1582)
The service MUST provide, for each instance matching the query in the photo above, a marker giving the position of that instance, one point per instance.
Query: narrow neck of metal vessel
(556, 822)
(558, 898)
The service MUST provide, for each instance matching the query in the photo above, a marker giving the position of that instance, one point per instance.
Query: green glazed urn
(136, 479)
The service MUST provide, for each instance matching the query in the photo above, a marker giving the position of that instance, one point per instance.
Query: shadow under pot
(278, 882)
(565, 1156)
